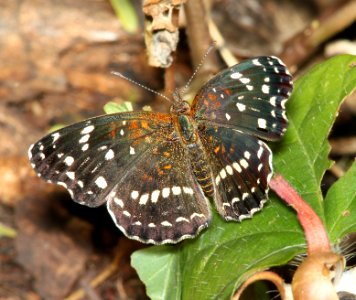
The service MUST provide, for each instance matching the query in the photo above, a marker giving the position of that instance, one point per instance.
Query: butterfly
(157, 171)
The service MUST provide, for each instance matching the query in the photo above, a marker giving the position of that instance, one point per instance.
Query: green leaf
(164, 269)
(113, 107)
(213, 265)
(302, 157)
(340, 206)
(126, 14)
(6, 231)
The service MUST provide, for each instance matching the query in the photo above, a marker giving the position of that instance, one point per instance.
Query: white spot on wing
(119, 202)
(272, 100)
(62, 184)
(84, 139)
(176, 190)
(235, 199)
(236, 75)
(196, 215)
(245, 80)
(132, 150)
(247, 154)
(262, 123)
(188, 190)
(182, 219)
(85, 147)
(134, 195)
(265, 89)
(283, 103)
(166, 223)
(244, 163)
(249, 87)
(55, 136)
(165, 192)
(80, 183)
(223, 174)
(237, 167)
(70, 175)
(228, 117)
(154, 196)
(29, 151)
(101, 182)
(69, 160)
(87, 129)
(109, 155)
(143, 199)
(229, 170)
(126, 213)
(240, 106)
(256, 62)
(217, 180)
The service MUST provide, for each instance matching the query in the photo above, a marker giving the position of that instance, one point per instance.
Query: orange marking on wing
(133, 125)
(216, 150)
(113, 133)
(159, 171)
(227, 91)
(212, 96)
(144, 124)
(113, 130)
(223, 150)
(147, 177)
(214, 101)
(167, 167)
(166, 154)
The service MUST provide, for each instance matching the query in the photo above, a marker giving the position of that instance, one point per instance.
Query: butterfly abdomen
(201, 169)
(196, 152)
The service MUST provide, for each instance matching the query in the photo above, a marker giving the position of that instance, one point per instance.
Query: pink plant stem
(315, 234)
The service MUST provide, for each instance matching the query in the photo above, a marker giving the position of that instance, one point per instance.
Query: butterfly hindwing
(249, 96)
(160, 200)
(241, 166)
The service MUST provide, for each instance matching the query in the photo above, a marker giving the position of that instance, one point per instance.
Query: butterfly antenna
(211, 47)
(140, 85)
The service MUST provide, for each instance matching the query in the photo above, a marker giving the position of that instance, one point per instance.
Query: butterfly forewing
(88, 157)
(249, 96)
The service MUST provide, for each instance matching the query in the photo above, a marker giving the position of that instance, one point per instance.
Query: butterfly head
(179, 106)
